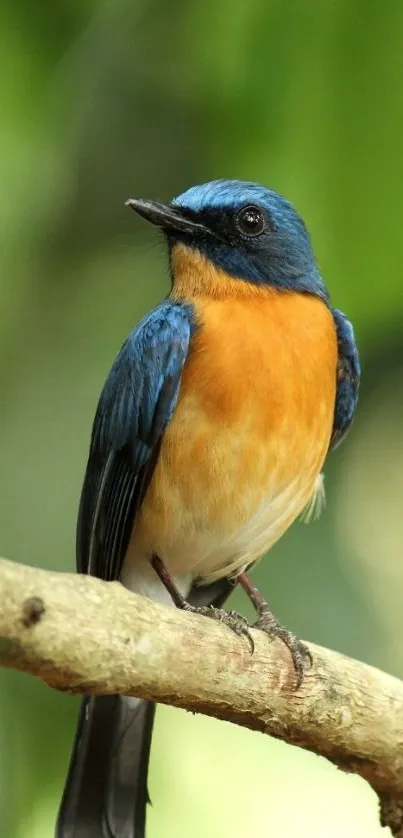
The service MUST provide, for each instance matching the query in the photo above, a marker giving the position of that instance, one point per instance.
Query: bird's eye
(250, 221)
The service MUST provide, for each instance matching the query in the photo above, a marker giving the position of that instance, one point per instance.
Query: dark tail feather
(106, 790)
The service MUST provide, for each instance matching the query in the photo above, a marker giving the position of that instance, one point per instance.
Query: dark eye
(250, 221)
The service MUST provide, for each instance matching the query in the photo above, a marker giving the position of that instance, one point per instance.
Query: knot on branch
(33, 610)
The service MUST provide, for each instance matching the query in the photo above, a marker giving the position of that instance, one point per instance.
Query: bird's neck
(194, 275)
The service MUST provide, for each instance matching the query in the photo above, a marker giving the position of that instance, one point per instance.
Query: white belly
(201, 556)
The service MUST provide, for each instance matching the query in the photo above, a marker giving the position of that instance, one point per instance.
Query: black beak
(166, 216)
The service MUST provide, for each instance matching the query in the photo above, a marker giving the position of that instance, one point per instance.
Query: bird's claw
(236, 622)
(266, 622)
(301, 656)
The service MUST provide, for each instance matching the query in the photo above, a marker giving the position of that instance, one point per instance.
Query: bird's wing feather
(348, 378)
(135, 407)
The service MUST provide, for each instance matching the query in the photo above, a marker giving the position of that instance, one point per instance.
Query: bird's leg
(168, 582)
(268, 623)
(234, 621)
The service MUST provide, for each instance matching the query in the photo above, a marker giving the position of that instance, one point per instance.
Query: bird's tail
(106, 790)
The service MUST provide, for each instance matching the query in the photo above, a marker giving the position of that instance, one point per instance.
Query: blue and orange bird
(208, 441)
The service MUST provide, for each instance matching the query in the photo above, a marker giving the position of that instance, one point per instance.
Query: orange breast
(249, 435)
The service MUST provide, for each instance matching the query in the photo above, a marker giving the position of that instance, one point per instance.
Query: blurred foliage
(103, 100)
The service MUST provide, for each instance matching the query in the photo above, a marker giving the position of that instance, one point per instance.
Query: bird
(209, 440)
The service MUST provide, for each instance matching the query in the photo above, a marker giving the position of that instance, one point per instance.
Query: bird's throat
(195, 275)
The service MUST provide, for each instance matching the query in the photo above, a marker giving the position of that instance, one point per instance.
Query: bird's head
(236, 231)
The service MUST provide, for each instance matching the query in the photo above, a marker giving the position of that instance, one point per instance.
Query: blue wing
(348, 378)
(134, 409)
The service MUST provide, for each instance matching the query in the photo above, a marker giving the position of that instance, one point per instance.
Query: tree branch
(79, 634)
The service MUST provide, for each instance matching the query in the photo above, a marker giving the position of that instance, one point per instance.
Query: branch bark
(82, 635)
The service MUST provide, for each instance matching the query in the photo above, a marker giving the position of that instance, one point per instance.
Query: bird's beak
(167, 217)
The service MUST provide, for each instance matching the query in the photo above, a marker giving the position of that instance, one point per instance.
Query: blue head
(248, 231)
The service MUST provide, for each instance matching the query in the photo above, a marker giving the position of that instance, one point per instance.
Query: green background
(101, 101)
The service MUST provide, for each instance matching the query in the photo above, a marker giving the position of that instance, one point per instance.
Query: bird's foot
(267, 622)
(232, 619)
(301, 656)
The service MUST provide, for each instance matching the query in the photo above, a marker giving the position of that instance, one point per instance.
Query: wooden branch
(82, 635)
